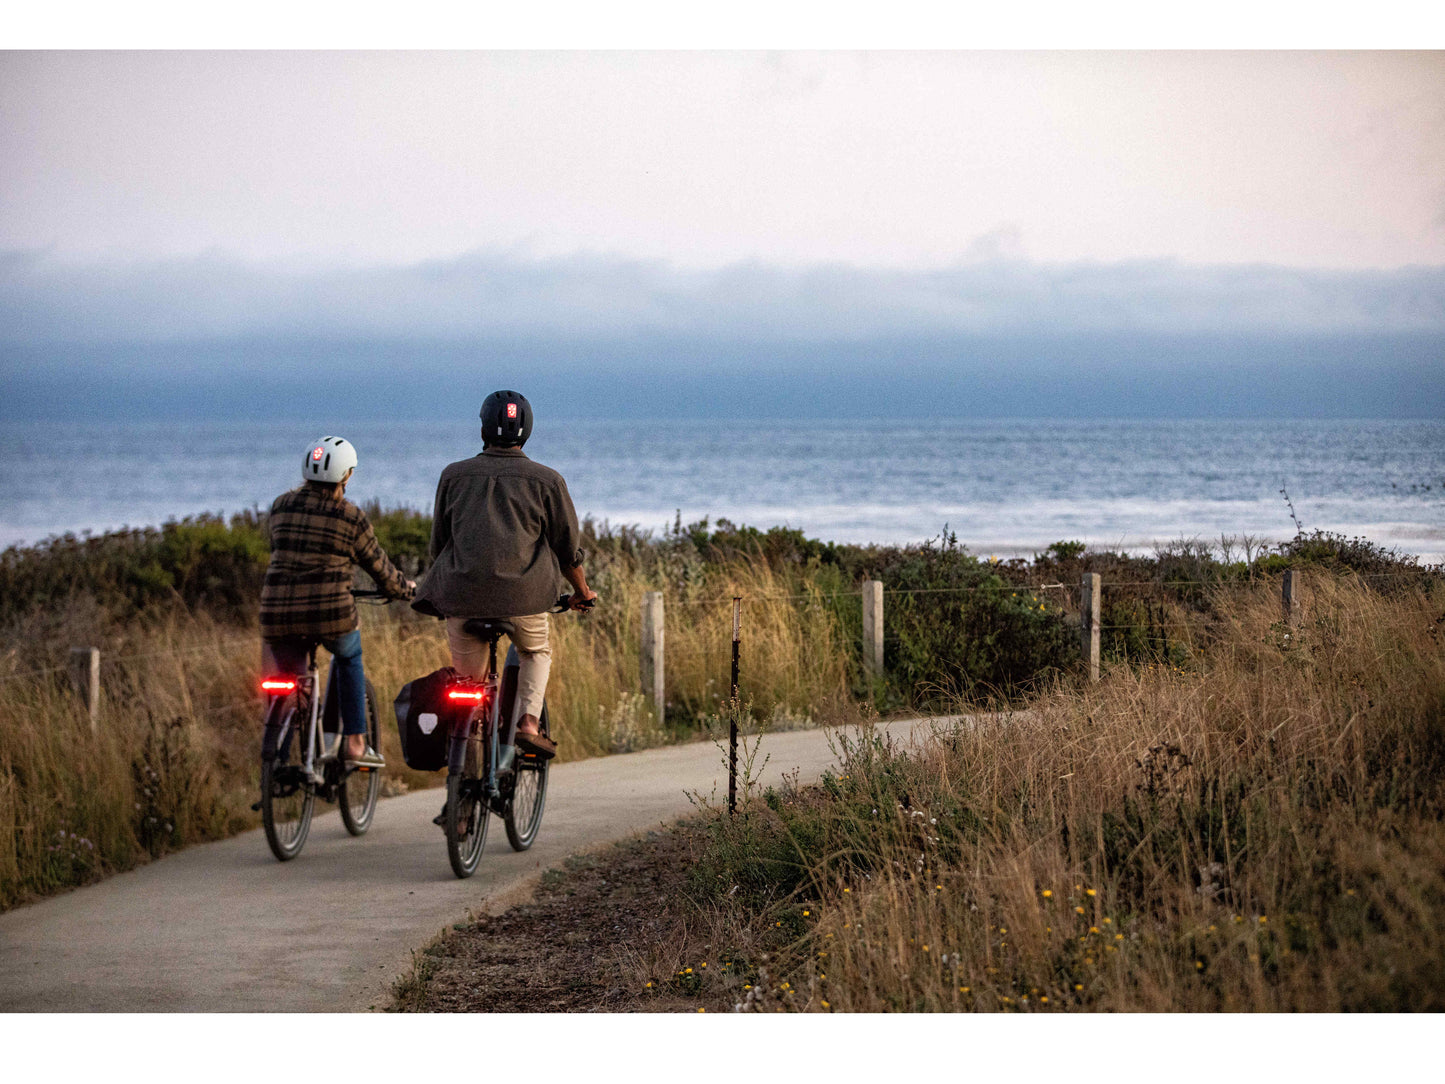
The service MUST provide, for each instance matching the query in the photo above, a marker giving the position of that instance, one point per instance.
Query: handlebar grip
(565, 603)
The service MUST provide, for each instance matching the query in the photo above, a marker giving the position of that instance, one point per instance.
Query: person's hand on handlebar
(582, 595)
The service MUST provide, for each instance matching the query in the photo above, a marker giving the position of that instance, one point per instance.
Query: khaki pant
(534, 653)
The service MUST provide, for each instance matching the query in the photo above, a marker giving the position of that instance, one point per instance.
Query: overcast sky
(1152, 233)
(703, 159)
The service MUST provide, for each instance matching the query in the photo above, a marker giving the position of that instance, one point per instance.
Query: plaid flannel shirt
(315, 540)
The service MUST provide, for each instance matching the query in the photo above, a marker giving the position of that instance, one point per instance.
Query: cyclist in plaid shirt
(317, 536)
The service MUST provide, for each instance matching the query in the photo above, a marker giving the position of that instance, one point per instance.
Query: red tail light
(471, 696)
(278, 685)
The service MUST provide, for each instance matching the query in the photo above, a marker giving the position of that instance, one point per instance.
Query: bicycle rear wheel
(466, 824)
(360, 789)
(529, 794)
(287, 797)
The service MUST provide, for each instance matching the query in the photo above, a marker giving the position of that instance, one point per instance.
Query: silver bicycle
(300, 758)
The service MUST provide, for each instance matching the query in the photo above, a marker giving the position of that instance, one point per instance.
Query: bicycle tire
(287, 801)
(529, 793)
(360, 789)
(466, 824)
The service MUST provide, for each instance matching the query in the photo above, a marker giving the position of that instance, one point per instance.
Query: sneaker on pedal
(369, 759)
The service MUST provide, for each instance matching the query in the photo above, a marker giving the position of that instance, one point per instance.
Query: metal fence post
(1089, 598)
(653, 670)
(736, 708)
(1291, 597)
(873, 627)
(85, 676)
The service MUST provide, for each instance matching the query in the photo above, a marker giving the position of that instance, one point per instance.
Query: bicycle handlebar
(563, 604)
(382, 596)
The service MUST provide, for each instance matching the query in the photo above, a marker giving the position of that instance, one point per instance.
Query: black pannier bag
(424, 718)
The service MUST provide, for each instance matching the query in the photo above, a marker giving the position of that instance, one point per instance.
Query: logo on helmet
(511, 410)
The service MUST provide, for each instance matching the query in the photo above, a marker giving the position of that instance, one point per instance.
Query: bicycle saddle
(487, 628)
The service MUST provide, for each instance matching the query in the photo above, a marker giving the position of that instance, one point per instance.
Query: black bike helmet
(506, 419)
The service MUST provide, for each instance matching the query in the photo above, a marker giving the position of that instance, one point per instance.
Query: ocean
(1004, 487)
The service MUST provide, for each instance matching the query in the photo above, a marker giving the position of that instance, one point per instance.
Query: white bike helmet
(328, 460)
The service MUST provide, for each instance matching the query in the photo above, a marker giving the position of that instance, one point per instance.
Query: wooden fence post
(653, 672)
(873, 627)
(85, 676)
(1089, 597)
(1291, 597)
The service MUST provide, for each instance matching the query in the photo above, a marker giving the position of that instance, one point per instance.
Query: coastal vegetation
(172, 609)
(1261, 828)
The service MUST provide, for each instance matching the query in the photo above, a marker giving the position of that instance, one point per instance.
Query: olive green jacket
(503, 528)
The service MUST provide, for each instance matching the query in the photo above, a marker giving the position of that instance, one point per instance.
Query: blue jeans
(347, 679)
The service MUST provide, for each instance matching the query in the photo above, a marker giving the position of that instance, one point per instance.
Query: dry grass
(175, 759)
(1264, 830)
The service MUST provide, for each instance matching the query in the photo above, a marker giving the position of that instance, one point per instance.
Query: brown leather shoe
(537, 744)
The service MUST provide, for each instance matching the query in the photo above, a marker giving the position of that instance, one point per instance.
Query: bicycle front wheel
(287, 796)
(466, 824)
(529, 794)
(360, 789)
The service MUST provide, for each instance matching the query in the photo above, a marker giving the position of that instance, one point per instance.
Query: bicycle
(486, 772)
(300, 761)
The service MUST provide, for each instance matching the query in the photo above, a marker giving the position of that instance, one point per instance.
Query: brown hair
(333, 490)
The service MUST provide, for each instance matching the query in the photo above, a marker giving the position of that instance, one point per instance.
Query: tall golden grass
(175, 759)
(1263, 829)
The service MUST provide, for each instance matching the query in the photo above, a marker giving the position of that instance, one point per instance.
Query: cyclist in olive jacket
(503, 531)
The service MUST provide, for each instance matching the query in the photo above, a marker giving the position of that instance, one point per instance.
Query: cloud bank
(45, 300)
(611, 337)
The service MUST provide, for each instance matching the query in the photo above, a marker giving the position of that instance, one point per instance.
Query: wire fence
(1015, 588)
(223, 644)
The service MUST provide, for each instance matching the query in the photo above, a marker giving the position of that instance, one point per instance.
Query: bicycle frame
(305, 686)
(487, 713)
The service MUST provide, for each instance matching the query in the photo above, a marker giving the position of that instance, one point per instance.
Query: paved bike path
(224, 927)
